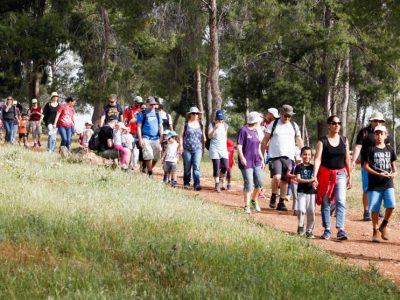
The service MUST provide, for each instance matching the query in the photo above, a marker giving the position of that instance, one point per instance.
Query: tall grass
(85, 232)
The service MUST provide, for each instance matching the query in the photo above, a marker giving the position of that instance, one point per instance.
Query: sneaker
(384, 232)
(186, 187)
(281, 206)
(375, 236)
(64, 152)
(174, 184)
(341, 235)
(221, 183)
(309, 235)
(295, 213)
(326, 235)
(165, 179)
(218, 187)
(367, 216)
(229, 187)
(272, 201)
(197, 188)
(300, 230)
(39, 144)
(246, 210)
(254, 204)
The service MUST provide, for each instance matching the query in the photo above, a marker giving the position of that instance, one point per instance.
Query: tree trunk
(209, 99)
(34, 83)
(346, 98)
(334, 88)
(356, 121)
(199, 95)
(97, 112)
(394, 123)
(214, 56)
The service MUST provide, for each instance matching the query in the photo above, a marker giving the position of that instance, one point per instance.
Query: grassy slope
(79, 231)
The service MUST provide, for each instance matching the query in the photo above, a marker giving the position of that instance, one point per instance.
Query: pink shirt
(66, 116)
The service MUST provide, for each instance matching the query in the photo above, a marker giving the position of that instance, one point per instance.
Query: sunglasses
(336, 123)
(194, 113)
(287, 116)
(9, 98)
(377, 121)
(153, 104)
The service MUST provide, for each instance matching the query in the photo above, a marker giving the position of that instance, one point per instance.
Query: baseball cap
(219, 115)
(34, 100)
(273, 111)
(113, 118)
(54, 94)
(380, 128)
(151, 100)
(138, 99)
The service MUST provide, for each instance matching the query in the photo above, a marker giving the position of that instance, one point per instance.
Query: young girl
(170, 158)
(231, 151)
(124, 153)
(86, 135)
(127, 139)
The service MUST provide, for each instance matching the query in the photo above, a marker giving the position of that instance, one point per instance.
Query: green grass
(85, 232)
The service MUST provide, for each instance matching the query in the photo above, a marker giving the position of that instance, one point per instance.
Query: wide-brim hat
(54, 94)
(254, 117)
(377, 116)
(287, 110)
(193, 109)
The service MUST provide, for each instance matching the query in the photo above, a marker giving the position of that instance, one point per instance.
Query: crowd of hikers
(141, 134)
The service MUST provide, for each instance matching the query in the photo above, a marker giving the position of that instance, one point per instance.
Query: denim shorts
(252, 177)
(375, 199)
(364, 179)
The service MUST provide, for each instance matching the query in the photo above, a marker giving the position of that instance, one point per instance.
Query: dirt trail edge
(358, 250)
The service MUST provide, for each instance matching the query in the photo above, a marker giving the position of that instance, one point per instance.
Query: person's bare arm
(241, 156)
(301, 180)
(317, 159)
(265, 141)
(348, 165)
(299, 142)
(356, 153)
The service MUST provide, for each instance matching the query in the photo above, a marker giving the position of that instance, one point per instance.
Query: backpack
(94, 143)
(274, 126)
(208, 141)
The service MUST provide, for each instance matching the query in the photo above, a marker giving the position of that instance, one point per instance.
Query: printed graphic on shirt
(381, 161)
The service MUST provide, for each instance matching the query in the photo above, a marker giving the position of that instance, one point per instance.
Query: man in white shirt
(281, 138)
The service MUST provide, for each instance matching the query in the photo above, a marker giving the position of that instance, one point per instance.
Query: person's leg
(196, 168)
(364, 180)
(63, 134)
(294, 194)
(258, 181)
(247, 175)
(228, 179)
(69, 132)
(187, 167)
(310, 211)
(389, 203)
(326, 217)
(375, 199)
(301, 211)
(224, 169)
(7, 127)
(340, 196)
(156, 149)
(285, 167)
(14, 130)
(275, 168)
(216, 164)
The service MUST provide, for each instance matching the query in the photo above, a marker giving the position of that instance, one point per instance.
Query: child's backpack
(94, 141)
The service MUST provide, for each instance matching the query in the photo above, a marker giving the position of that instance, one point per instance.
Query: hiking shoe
(326, 235)
(197, 188)
(281, 206)
(221, 183)
(64, 152)
(295, 213)
(229, 187)
(300, 230)
(309, 235)
(341, 235)
(186, 187)
(39, 144)
(367, 216)
(174, 184)
(384, 232)
(246, 210)
(272, 201)
(218, 187)
(375, 236)
(254, 204)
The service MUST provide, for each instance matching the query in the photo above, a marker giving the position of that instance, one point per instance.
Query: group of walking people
(141, 134)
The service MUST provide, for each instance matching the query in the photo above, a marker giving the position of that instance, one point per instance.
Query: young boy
(170, 159)
(380, 163)
(85, 136)
(23, 130)
(231, 151)
(305, 193)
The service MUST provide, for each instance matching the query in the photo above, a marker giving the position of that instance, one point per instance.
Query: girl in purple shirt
(251, 162)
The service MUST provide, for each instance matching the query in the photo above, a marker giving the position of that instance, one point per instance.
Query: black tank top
(333, 158)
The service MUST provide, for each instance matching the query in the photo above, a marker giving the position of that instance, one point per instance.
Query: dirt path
(358, 250)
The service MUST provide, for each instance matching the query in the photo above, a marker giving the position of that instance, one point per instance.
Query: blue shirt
(151, 128)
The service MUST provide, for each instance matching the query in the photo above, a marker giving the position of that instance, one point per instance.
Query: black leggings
(216, 164)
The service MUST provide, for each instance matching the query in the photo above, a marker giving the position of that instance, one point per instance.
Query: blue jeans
(11, 130)
(340, 195)
(66, 136)
(51, 141)
(191, 160)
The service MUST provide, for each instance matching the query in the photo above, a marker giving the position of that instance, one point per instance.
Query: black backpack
(94, 143)
(274, 126)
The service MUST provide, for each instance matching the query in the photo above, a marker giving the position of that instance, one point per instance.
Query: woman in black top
(10, 117)
(49, 116)
(332, 166)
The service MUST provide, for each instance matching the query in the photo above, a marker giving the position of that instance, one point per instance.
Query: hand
(394, 174)
(262, 164)
(243, 161)
(352, 166)
(180, 150)
(386, 175)
(217, 124)
(141, 143)
(315, 185)
(348, 183)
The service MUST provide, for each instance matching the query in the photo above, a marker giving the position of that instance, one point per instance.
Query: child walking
(23, 130)
(231, 151)
(124, 153)
(170, 159)
(305, 193)
(381, 167)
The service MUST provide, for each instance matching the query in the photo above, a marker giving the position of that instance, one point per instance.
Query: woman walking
(65, 122)
(191, 143)
(35, 127)
(332, 166)
(251, 161)
(10, 119)
(218, 152)
(49, 116)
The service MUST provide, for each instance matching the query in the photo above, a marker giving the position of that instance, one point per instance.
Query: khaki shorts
(35, 128)
(151, 149)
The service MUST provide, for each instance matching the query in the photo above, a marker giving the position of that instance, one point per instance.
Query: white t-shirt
(172, 152)
(127, 141)
(283, 142)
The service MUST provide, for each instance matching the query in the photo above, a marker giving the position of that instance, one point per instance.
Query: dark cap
(151, 100)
